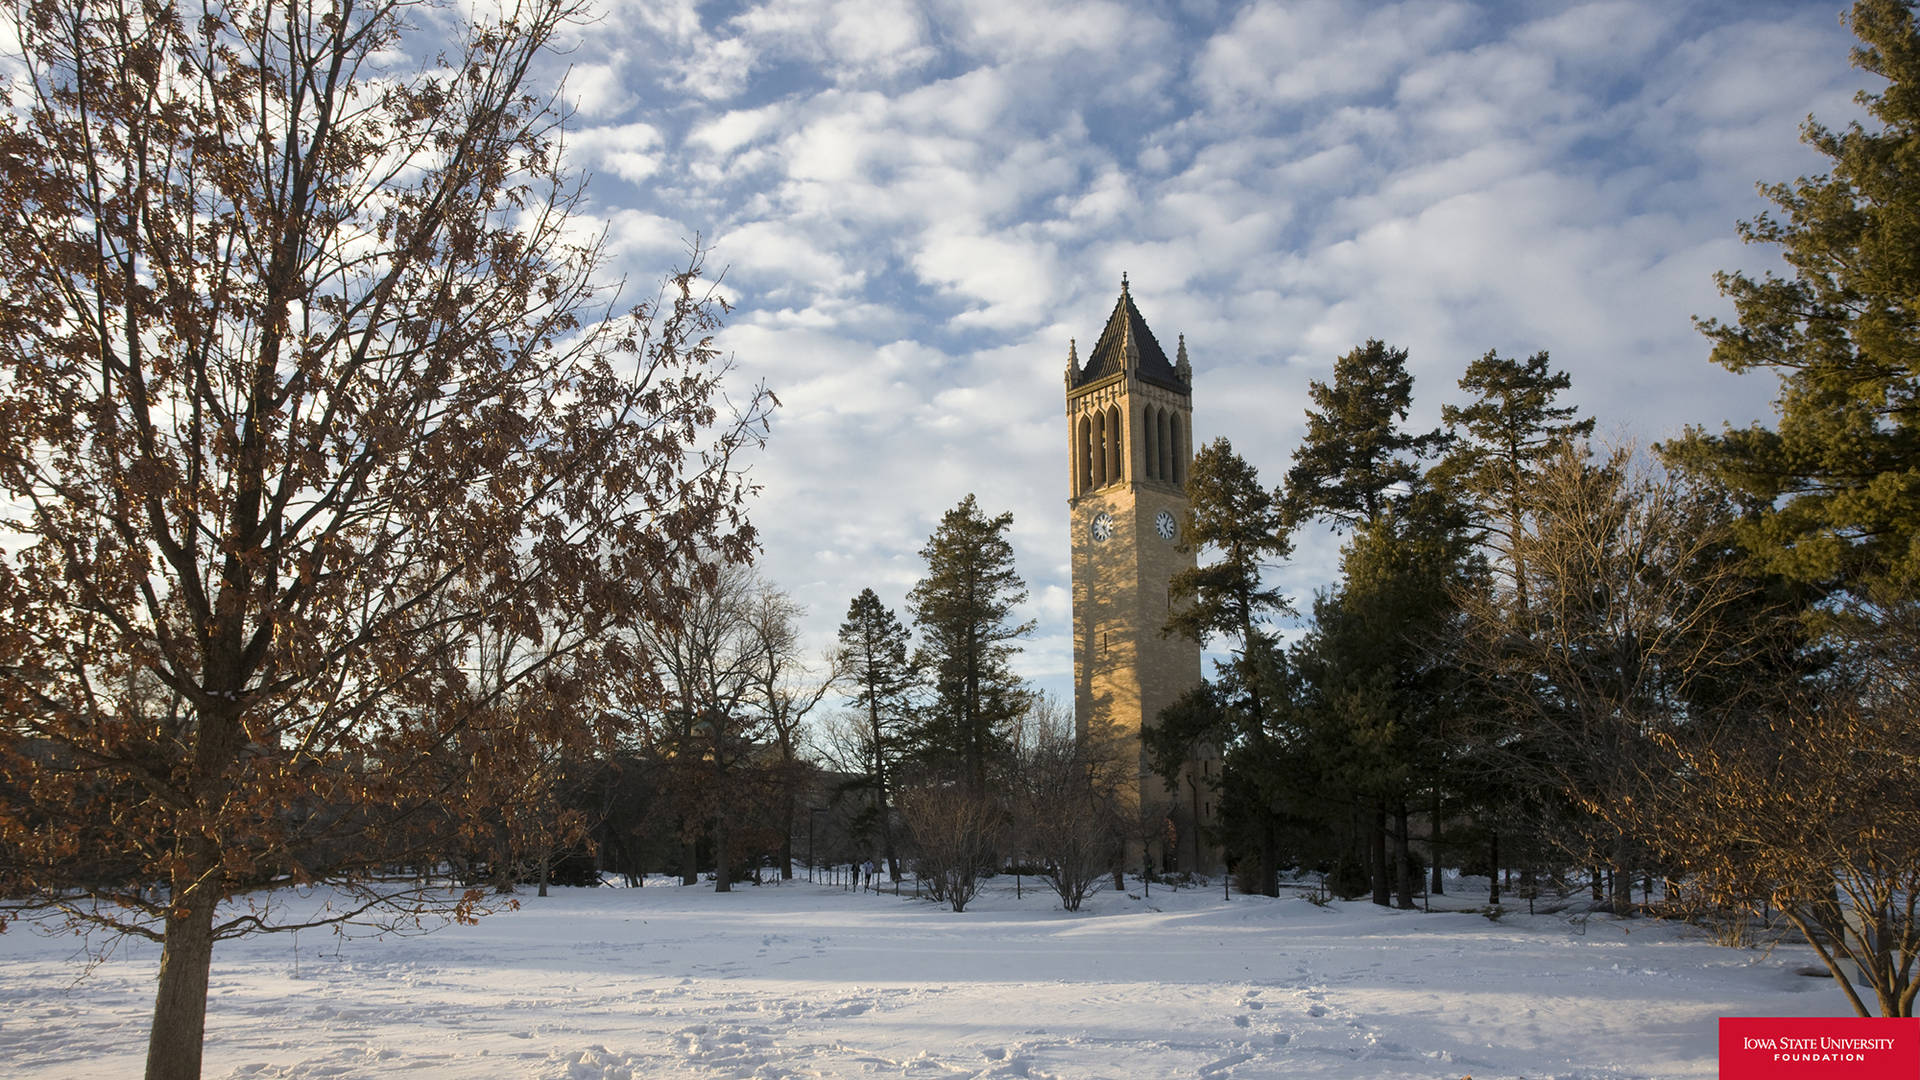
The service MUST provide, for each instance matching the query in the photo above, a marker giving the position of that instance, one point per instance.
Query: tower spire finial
(1123, 283)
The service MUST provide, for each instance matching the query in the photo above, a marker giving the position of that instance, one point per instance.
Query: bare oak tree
(1070, 795)
(1812, 815)
(957, 833)
(309, 376)
(1636, 603)
(787, 688)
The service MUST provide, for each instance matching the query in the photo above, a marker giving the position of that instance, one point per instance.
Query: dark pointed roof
(1109, 353)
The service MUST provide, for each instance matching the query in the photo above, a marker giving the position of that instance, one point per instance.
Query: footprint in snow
(1215, 1068)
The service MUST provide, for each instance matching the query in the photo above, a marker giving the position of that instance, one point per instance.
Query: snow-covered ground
(808, 981)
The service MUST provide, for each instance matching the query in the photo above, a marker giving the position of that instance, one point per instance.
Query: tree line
(1686, 668)
(942, 760)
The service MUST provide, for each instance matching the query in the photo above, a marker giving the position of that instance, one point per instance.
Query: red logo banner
(1819, 1048)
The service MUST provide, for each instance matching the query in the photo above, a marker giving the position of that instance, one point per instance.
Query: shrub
(956, 833)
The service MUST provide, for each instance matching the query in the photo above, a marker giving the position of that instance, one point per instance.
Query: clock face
(1102, 525)
(1164, 524)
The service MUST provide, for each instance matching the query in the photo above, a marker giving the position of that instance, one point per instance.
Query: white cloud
(1105, 200)
(776, 256)
(600, 90)
(920, 204)
(1042, 30)
(736, 128)
(851, 41)
(628, 151)
(636, 232)
(717, 69)
(1009, 280)
(676, 21)
(1610, 33)
(884, 37)
(1278, 53)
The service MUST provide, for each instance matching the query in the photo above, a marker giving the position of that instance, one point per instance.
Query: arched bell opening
(1150, 443)
(1097, 449)
(1178, 438)
(1082, 456)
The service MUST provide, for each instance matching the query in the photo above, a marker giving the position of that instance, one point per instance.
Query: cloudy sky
(917, 205)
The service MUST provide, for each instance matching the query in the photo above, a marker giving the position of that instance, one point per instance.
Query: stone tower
(1129, 438)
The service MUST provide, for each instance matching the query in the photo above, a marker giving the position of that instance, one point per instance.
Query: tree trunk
(620, 857)
(722, 872)
(689, 862)
(502, 867)
(786, 839)
(180, 1006)
(1377, 852)
(1269, 854)
(1493, 871)
(546, 866)
(1193, 789)
(886, 839)
(1402, 861)
(1269, 835)
(1435, 885)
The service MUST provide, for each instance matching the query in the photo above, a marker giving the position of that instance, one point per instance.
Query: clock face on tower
(1164, 524)
(1102, 525)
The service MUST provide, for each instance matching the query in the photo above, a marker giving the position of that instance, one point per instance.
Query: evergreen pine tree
(1355, 462)
(1355, 453)
(963, 609)
(873, 656)
(1232, 514)
(1837, 478)
(1500, 442)
(1386, 697)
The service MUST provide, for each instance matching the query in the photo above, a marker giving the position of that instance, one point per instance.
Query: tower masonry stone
(1129, 440)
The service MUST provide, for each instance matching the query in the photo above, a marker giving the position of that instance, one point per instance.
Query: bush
(1349, 879)
(956, 833)
(577, 868)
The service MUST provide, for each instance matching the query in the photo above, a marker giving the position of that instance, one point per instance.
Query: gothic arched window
(1167, 449)
(1097, 446)
(1150, 430)
(1082, 457)
(1179, 441)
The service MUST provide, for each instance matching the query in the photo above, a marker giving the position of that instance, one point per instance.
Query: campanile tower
(1129, 439)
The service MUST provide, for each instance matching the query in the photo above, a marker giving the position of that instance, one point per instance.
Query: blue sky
(917, 205)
